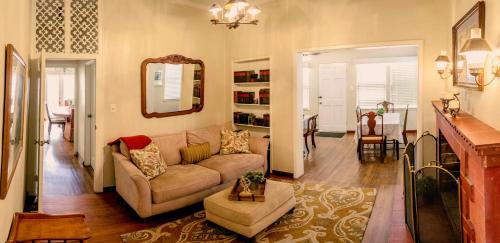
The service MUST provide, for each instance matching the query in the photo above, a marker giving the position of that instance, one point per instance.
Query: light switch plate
(113, 107)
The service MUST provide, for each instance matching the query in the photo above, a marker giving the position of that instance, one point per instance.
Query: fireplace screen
(432, 191)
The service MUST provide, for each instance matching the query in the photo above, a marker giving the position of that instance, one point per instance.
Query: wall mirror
(171, 86)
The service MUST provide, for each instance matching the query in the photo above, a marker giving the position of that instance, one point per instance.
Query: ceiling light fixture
(234, 13)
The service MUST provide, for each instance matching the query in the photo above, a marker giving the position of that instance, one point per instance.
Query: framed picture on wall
(474, 18)
(13, 116)
(158, 78)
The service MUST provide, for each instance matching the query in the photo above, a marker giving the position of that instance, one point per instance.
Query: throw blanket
(133, 142)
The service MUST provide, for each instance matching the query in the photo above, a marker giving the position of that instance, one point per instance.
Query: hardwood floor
(334, 162)
(62, 173)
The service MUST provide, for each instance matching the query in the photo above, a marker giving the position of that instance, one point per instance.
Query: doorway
(63, 109)
(333, 82)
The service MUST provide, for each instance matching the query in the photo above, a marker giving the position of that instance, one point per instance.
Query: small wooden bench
(31, 227)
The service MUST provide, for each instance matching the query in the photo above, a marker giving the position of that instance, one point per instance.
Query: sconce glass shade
(475, 50)
(442, 62)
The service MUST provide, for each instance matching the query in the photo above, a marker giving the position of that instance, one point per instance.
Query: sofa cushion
(195, 153)
(182, 180)
(234, 142)
(233, 166)
(209, 134)
(149, 161)
(170, 146)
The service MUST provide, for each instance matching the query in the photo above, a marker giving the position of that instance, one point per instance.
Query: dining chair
(404, 132)
(372, 137)
(54, 120)
(388, 106)
(310, 131)
(358, 128)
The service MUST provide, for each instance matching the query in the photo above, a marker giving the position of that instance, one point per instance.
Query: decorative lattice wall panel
(84, 34)
(49, 27)
(67, 26)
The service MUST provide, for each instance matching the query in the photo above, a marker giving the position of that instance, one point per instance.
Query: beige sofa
(183, 185)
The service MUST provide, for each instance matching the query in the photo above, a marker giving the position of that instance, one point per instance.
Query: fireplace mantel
(477, 145)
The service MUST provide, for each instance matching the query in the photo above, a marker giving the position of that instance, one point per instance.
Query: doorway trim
(99, 112)
(297, 97)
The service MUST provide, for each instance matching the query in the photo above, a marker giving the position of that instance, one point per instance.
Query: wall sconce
(475, 51)
(445, 68)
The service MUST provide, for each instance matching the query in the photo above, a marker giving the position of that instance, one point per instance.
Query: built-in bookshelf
(251, 95)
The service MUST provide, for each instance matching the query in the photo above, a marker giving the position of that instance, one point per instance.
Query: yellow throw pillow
(195, 153)
(234, 142)
(149, 161)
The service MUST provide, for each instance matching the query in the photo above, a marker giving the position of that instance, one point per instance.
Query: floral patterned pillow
(149, 161)
(234, 142)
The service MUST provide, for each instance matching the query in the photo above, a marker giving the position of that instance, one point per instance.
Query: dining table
(392, 125)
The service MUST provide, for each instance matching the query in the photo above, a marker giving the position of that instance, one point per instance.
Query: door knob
(320, 103)
(320, 97)
(89, 115)
(43, 142)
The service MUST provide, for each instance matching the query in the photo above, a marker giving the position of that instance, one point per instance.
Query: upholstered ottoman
(249, 218)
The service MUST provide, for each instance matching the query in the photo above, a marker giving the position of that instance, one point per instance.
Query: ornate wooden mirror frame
(171, 59)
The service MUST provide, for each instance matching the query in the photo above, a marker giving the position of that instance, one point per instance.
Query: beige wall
(14, 29)
(483, 105)
(136, 30)
(288, 26)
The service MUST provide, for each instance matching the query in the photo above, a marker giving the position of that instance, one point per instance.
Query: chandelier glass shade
(234, 13)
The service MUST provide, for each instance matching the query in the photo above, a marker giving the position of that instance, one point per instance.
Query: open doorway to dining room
(338, 87)
(62, 126)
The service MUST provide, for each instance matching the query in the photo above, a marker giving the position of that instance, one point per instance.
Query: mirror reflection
(172, 87)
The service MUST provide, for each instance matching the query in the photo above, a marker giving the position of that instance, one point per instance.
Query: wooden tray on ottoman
(258, 194)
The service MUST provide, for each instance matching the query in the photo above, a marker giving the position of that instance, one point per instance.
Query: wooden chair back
(388, 106)
(311, 125)
(372, 123)
(405, 122)
(358, 113)
(48, 113)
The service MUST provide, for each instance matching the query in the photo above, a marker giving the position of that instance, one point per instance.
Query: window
(372, 80)
(306, 89)
(404, 76)
(60, 87)
(173, 81)
(394, 81)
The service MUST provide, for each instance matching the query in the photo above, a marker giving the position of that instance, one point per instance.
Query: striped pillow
(195, 153)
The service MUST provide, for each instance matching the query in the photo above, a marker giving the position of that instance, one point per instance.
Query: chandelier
(234, 13)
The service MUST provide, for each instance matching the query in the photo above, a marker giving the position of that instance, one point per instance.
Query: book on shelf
(243, 118)
(264, 75)
(264, 96)
(242, 97)
(197, 75)
(243, 76)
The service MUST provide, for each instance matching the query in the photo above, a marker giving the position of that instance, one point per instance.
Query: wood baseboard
(281, 173)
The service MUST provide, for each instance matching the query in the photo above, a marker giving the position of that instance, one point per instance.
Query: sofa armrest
(132, 185)
(259, 146)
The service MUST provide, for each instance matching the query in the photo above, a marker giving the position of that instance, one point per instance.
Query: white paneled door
(332, 78)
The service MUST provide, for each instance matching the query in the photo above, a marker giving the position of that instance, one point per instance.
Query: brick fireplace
(477, 146)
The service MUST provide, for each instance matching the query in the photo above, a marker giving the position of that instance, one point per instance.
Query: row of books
(197, 74)
(250, 119)
(197, 91)
(244, 97)
(252, 76)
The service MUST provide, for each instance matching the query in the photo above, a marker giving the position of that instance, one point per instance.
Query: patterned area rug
(323, 214)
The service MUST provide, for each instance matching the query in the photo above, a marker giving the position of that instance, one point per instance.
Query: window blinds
(173, 80)
(395, 82)
(403, 79)
(372, 79)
